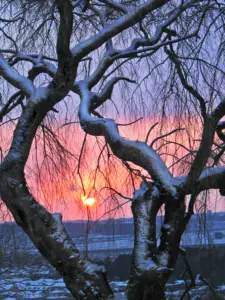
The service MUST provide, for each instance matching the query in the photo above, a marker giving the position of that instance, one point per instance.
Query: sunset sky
(62, 182)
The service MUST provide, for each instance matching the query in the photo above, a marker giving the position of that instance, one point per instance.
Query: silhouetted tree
(51, 49)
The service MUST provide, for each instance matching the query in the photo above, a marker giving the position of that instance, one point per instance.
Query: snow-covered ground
(35, 282)
(40, 283)
(32, 283)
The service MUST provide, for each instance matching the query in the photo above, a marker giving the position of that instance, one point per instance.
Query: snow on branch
(148, 44)
(17, 80)
(211, 178)
(145, 230)
(100, 70)
(136, 15)
(135, 151)
(160, 29)
(109, 31)
(38, 62)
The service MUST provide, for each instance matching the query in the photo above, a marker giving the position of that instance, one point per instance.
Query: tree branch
(124, 22)
(137, 152)
(106, 92)
(186, 85)
(17, 80)
(10, 104)
(165, 135)
(67, 66)
(115, 5)
(211, 178)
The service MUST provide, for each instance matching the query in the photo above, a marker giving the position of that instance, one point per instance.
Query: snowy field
(44, 283)
(40, 281)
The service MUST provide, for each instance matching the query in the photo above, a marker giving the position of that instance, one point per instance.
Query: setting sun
(89, 201)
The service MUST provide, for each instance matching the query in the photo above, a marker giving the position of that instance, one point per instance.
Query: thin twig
(150, 130)
(165, 135)
(131, 123)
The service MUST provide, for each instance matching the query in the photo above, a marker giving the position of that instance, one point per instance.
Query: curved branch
(165, 135)
(135, 151)
(124, 22)
(130, 123)
(106, 93)
(17, 80)
(211, 178)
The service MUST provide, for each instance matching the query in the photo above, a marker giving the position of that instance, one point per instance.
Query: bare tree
(52, 49)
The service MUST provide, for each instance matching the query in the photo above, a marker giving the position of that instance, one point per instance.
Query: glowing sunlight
(88, 201)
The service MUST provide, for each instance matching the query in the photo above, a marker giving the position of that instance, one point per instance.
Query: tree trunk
(83, 279)
(153, 264)
(148, 286)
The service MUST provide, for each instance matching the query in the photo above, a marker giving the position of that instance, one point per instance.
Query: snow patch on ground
(17, 284)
